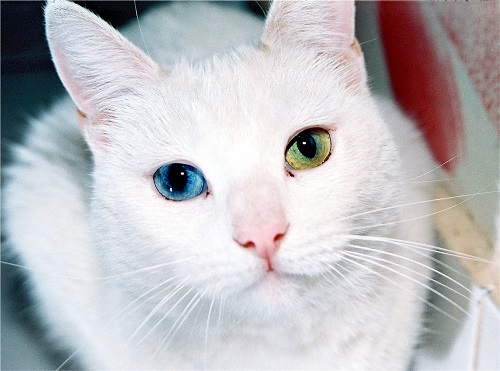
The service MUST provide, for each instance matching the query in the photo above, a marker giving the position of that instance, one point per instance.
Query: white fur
(95, 244)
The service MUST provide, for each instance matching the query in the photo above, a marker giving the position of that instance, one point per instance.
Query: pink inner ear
(64, 73)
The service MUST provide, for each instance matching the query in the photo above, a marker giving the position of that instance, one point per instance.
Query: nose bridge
(256, 201)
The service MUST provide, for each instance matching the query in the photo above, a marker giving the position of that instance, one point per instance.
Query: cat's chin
(274, 296)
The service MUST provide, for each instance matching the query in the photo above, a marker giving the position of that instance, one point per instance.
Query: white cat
(245, 211)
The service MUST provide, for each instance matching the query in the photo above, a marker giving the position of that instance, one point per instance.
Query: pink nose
(265, 239)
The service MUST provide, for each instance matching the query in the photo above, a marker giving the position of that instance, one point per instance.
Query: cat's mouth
(274, 296)
(270, 290)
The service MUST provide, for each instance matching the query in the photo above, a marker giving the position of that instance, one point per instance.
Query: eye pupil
(177, 177)
(306, 145)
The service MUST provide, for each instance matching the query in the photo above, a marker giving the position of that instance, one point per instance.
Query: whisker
(261, 7)
(205, 356)
(422, 216)
(357, 292)
(423, 251)
(193, 303)
(434, 169)
(166, 314)
(433, 270)
(117, 315)
(364, 258)
(334, 269)
(368, 41)
(422, 246)
(102, 278)
(425, 301)
(219, 318)
(69, 358)
(469, 195)
(372, 290)
(140, 28)
(141, 270)
(346, 279)
(438, 262)
(186, 316)
(425, 181)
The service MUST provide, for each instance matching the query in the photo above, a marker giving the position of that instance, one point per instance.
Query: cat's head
(236, 177)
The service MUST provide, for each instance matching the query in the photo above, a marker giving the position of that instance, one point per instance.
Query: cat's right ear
(96, 64)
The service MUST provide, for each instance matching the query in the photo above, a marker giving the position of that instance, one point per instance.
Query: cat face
(207, 171)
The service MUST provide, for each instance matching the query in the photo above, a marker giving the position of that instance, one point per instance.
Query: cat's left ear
(323, 27)
(97, 65)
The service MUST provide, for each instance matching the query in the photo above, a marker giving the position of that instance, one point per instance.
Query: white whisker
(165, 315)
(117, 315)
(357, 292)
(334, 269)
(424, 251)
(181, 319)
(434, 169)
(368, 41)
(343, 276)
(469, 195)
(102, 278)
(423, 216)
(425, 301)
(425, 181)
(219, 318)
(205, 356)
(433, 270)
(365, 258)
(69, 358)
(423, 246)
(140, 28)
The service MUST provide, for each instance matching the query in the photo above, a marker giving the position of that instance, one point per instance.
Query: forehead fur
(252, 98)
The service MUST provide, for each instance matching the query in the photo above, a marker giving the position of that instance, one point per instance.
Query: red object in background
(422, 76)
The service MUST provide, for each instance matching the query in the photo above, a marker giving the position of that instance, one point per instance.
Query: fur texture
(129, 279)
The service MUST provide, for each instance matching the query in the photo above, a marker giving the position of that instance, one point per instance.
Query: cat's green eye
(308, 149)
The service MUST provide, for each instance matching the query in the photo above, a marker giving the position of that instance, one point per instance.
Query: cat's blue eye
(179, 182)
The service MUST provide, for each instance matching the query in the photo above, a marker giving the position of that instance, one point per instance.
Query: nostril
(249, 245)
(250, 237)
(278, 237)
